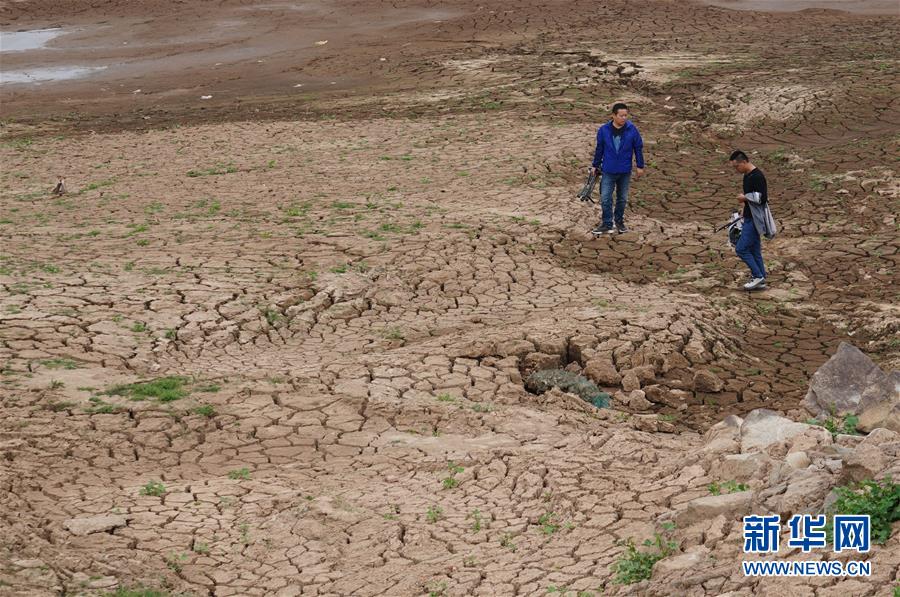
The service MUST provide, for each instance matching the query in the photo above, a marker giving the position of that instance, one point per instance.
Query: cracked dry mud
(350, 301)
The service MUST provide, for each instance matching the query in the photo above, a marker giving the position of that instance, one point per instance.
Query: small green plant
(731, 486)
(272, 316)
(897, 591)
(56, 384)
(201, 548)
(634, 566)
(171, 334)
(434, 514)
(173, 561)
(507, 542)
(244, 529)
(436, 588)
(339, 269)
(218, 169)
(393, 333)
(137, 591)
(879, 499)
(450, 482)
(482, 408)
(207, 410)
(164, 389)
(59, 406)
(446, 398)
(139, 326)
(837, 425)
(153, 488)
(548, 527)
(475, 515)
(241, 473)
(764, 308)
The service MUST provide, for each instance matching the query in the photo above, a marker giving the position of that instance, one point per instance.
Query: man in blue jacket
(617, 141)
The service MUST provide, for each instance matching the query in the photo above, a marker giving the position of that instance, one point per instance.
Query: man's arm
(638, 153)
(639, 150)
(598, 152)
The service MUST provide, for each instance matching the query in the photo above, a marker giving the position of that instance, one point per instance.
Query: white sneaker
(755, 283)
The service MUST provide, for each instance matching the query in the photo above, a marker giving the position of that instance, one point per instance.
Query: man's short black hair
(618, 106)
(738, 156)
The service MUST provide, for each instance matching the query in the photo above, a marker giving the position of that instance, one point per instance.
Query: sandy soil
(350, 282)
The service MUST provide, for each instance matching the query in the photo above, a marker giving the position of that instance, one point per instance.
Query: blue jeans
(620, 182)
(749, 248)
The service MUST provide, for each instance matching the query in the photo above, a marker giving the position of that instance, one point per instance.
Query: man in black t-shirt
(754, 199)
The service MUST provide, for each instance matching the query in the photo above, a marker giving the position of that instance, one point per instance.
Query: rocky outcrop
(850, 383)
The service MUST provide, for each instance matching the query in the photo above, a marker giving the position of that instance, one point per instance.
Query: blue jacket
(610, 161)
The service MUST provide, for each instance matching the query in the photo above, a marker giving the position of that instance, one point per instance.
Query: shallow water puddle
(19, 41)
(38, 75)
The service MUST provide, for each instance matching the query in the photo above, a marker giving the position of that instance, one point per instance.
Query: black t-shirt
(617, 132)
(755, 182)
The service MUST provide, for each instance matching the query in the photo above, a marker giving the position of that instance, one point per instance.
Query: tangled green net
(541, 381)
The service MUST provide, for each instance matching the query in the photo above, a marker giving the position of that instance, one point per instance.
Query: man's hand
(638, 172)
(592, 171)
(741, 198)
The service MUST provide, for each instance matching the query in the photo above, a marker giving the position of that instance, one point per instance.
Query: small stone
(689, 560)
(797, 460)
(707, 381)
(635, 400)
(630, 382)
(731, 505)
(865, 462)
(94, 524)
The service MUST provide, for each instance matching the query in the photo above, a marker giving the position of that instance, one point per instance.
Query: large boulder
(882, 413)
(763, 428)
(850, 383)
(733, 506)
(724, 436)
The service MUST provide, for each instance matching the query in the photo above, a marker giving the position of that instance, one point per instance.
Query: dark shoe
(621, 228)
(602, 229)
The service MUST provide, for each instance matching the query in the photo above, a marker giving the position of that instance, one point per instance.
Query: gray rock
(850, 383)
(884, 414)
(724, 436)
(689, 560)
(94, 524)
(742, 467)
(803, 492)
(763, 428)
(731, 505)
(865, 462)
